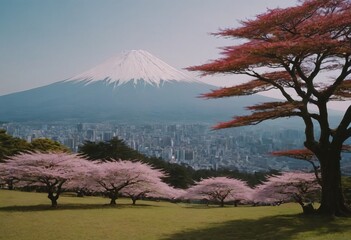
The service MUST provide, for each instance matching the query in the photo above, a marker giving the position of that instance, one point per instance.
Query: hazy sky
(45, 41)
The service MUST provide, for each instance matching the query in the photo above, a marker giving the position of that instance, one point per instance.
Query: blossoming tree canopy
(151, 186)
(220, 189)
(302, 154)
(291, 50)
(50, 170)
(299, 186)
(154, 188)
(112, 177)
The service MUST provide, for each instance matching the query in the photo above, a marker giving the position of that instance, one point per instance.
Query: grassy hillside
(25, 216)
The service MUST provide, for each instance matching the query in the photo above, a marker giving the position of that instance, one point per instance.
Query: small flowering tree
(48, 170)
(112, 177)
(154, 189)
(80, 183)
(304, 155)
(297, 186)
(150, 186)
(220, 189)
(308, 156)
(8, 177)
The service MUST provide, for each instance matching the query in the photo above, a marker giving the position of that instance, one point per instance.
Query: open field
(25, 216)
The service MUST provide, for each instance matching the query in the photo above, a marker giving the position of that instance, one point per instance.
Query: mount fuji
(133, 87)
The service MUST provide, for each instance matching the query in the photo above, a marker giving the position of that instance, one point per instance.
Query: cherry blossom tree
(8, 177)
(298, 186)
(308, 156)
(292, 50)
(304, 155)
(220, 189)
(49, 170)
(112, 177)
(152, 188)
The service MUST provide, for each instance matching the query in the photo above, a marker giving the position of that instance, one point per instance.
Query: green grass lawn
(26, 216)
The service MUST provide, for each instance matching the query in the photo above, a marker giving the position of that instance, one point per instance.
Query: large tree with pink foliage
(152, 188)
(50, 171)
(292, 50)
(151, 185)
(112, 177)
(220, 190)
(300, 187)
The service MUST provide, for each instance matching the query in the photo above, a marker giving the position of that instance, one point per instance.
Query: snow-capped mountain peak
(136, 66)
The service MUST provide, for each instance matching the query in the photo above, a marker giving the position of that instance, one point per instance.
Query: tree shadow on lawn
(43, 207)
(204, 206)
(273, 227)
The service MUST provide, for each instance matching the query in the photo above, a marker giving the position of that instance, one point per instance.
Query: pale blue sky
(44, 41)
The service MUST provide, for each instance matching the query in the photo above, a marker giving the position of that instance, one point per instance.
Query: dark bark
(113, 201)
(308, 209)
(332, 199)
(54, 190)
(10, 184)
(53, 198)
(80, 193)
(134, 199)
(113, 196)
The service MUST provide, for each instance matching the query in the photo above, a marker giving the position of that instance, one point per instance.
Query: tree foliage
(47, 145)
(51, 171)
(297, 186)
(57, 172)
(178, 176)
(289, 50)
(113, 176)
(110, 150)
(10, 146)
(154, 187)
(219, 190)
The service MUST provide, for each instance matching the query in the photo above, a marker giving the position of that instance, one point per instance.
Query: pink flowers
(57, 172)
(220, 189)
(300, 187)
(49, 170)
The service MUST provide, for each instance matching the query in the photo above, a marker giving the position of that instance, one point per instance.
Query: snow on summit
(134, 65)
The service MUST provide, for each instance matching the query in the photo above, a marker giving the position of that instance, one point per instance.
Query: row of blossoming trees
(59, 172)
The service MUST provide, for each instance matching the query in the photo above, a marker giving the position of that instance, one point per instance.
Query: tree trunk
(134, 200)
(10, 184)
(222, 203)
(53, 199)
(113, 201)
(113, 196)
(80, 193)
(308, 208)
(332, 199)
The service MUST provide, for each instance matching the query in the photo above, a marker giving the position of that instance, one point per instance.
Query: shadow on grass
(43, 207)
(204, 206)
(274, 227)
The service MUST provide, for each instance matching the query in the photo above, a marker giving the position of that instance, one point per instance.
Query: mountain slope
(134, 87)
(132, 66)
(129, 103)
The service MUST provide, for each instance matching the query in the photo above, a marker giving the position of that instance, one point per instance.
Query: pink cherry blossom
(49, 170)
(220, 189)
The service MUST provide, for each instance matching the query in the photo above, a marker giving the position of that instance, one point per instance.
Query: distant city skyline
(43, 42)
(195, 145)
